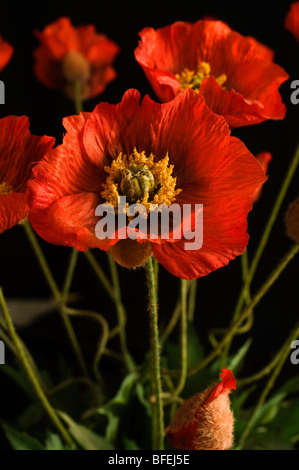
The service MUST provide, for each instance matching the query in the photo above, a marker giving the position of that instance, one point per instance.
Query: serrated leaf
(20, 440)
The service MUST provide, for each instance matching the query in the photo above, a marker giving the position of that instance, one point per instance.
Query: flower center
(141, 180)
(5, 188)
(191, 79)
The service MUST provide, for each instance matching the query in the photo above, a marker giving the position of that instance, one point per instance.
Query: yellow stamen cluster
(191, 79)
(5, 188)
(159, 175)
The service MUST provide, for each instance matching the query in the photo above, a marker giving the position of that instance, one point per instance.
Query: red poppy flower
(69, 55)
(205, 421)
(19, 150)
(233, 73)
(6, 51)
(149, 152)
(292, 20)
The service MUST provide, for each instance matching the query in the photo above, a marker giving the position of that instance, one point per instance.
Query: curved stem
(97, 317)
(100, 274)
(158, 421)
(59, 298)
(282, 357)
(246, 312)
(31, 374)
(266, 234)
(184, 351)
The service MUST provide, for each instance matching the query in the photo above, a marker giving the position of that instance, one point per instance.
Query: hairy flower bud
(75, 67)
(292, 221)
(205, 421)
(129, 253)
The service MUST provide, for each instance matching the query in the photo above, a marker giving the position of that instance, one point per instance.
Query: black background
(217, 293)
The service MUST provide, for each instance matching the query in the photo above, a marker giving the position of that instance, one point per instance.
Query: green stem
(259, 375)
(158, 421)
(99, 319)
(100, 274)
(69, 276)
(267, 231)
(282, 357)
(42, 261)
(184, 350)
(121, 315)
(264, 240)
(247, 311)
(59, 298)
(31, 375)
(77, 97)
(192, 299)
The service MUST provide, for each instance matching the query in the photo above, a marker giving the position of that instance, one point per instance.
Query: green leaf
(87, 439)
(269, 410)
(123, 395)
(54, 442)
(263, 439)
(30, 416)
(140, 392)
(130, 444)
(291, 386)
(238, 399)
(286, 422)
(236, 361)
(194, 347)
(20, 378)
(21, 441)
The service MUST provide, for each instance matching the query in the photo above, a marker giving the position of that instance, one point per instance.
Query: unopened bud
(75, 67)
(292, 221)
(130, 254)
(205, 421)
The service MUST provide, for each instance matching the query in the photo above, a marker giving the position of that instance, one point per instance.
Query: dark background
(218, 292)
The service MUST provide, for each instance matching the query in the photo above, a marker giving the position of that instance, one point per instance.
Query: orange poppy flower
(69, 55)
(19, 150)
(235, 74)
(153, 154)
(205, 421)
(6, 52)
(292, 20)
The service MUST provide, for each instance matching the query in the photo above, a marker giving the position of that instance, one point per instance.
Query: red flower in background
(19, 151)
(205, 421)
(292, 20)
(68, 55)
(235, 74)
(6, 52)
(148, 152)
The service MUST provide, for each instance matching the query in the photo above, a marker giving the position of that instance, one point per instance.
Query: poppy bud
(292, 220)
(205, 421)
(129, 253)
(75, 67)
